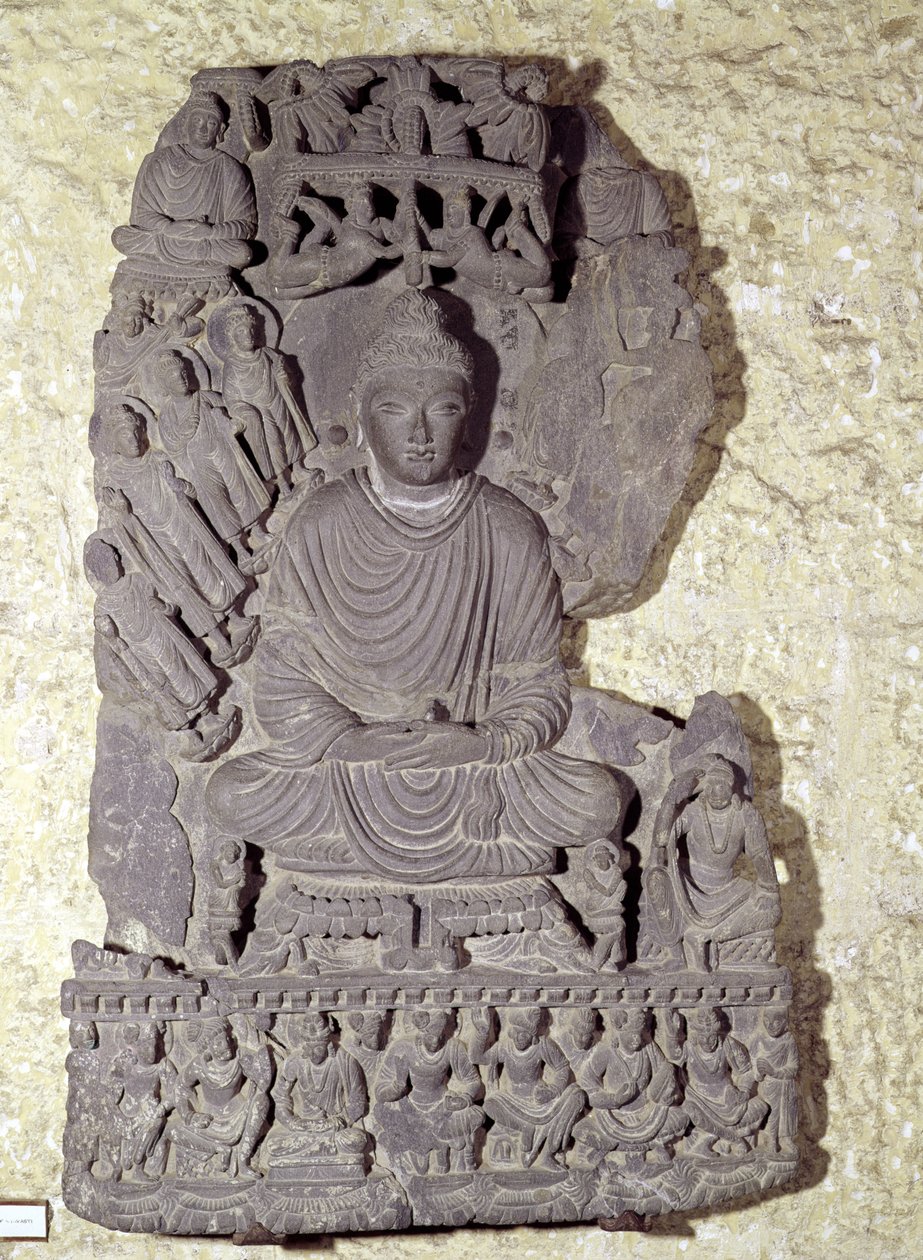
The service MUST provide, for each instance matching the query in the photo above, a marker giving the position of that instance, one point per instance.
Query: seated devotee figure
(718, 1085)
(531, 1097)
(408, 681)
(193, 212)
(428, 1089)
(320, 1095)
(632, 1092)
(694, 894)
(222, 1103)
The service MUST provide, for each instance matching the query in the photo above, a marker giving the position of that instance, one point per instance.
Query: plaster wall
(787, 137)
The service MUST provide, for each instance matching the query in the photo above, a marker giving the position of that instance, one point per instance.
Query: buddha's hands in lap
(414, 745)
(438, 746)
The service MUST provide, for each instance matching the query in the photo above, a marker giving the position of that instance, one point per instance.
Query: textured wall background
(786, 136)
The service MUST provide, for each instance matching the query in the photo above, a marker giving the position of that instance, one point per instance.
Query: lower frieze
(200, 1110)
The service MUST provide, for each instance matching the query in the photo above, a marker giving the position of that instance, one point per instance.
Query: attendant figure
(193, 212)
(693, 894)
(196, 434)
(222, 1104)
(775, 1061)
(260, 394)
(368, 1040)
(83, 1136)
(132, 334)
(141, 651)
(337, 250)
(632, 1092)
(602, 911)
(144, 1083)
(513, 261)
(427, 1097)
(226, 879)
(158, 527)
(531, 1097)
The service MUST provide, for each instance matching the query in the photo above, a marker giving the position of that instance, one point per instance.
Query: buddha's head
(414, 391)
(175, 375)
(205, 121)
(716, 783)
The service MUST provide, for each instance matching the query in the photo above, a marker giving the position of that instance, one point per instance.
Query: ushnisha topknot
(413, 335)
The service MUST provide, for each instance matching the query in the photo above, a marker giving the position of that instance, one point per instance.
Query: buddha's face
(414, 422)
(204, 128)
(433, 1034)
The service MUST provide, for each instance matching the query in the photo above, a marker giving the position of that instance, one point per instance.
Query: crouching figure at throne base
(410, 691)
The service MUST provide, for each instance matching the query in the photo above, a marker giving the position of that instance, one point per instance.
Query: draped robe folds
(371, 618)
(177, 184)
(166, 664)
(261, 380)
(197, 435)
(165, 536)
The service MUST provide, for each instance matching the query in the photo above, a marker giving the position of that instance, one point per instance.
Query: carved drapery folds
(404, 927)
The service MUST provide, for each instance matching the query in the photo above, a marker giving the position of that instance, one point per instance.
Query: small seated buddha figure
(408, 682)
(320, 1095)
(193, 212)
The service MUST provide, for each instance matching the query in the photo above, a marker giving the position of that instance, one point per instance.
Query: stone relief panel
(404, 926)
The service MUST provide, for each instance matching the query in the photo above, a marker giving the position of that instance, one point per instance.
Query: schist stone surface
(405, 928)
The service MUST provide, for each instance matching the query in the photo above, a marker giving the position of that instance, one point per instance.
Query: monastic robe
(372, 617)
(177, 184)
(197, 435)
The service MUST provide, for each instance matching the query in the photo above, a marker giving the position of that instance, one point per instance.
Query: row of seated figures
(409, 698)
(429, 1092)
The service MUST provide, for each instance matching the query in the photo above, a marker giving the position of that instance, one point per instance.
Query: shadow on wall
(795, 946)
(801, 893)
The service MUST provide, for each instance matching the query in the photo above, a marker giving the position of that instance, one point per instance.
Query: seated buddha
(408, 682)
(193, 212)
